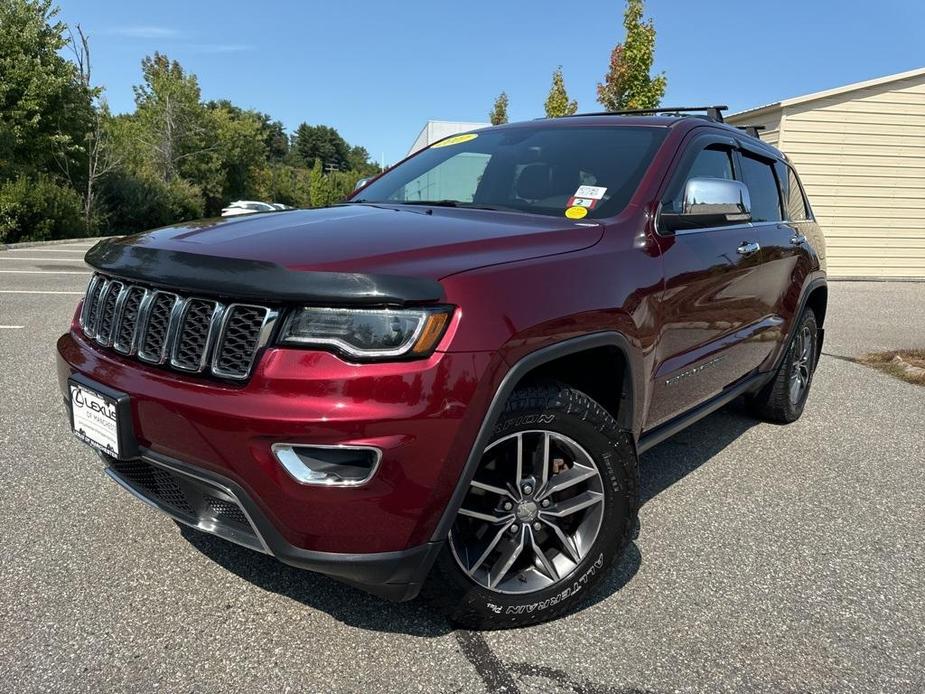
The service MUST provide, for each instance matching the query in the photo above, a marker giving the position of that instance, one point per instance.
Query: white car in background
(239, 207)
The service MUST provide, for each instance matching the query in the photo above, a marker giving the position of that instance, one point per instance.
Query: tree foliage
(498, 113)
(68, 166)
(45, 110)
(170, 114)
(628, 83)
(557, 102)
(321, 142)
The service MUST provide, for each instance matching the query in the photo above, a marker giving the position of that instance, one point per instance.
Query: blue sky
(378, 70)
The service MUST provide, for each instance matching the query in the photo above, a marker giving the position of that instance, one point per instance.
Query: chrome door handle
(798, 239)
(748, 247)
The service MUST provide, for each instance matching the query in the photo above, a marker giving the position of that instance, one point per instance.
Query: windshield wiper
(452, 203)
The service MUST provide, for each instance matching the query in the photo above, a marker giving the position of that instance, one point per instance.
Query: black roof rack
(714, 113)
(752, 130)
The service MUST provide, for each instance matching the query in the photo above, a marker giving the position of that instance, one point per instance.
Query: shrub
(136, 203)
(38, 209)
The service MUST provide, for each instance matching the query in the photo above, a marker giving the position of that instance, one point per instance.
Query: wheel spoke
(576, 474)
(490, 488)
(564, 540)
(574, 505)
(504, 563)
(488, 550)
(487, 517)
(548, 567)
(520, 461)
(544, 462)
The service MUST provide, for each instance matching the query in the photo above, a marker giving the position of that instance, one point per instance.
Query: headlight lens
(368, 333)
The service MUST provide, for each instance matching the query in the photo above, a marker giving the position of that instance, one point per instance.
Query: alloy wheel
(532, 513)
(801, 366)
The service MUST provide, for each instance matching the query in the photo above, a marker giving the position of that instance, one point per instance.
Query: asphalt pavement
(770, 558)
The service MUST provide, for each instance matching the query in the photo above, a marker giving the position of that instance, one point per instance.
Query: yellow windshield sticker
(576, 212)
(458, 139)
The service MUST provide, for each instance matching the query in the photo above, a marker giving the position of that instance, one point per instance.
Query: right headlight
(368, 333)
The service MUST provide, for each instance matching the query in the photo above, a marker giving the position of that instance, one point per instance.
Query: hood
(408, 246)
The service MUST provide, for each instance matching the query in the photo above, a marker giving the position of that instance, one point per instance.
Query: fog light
(328, 466)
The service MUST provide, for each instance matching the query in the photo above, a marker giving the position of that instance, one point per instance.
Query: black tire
(570, 415)
(775, 402)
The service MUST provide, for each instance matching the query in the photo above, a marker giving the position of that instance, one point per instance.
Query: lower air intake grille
(189, 498)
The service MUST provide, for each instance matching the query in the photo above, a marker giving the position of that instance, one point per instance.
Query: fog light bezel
(285, 454)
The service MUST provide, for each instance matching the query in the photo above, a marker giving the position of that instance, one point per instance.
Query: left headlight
(368, 333)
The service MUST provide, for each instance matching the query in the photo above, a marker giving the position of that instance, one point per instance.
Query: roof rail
(714, 113)
(752, 130)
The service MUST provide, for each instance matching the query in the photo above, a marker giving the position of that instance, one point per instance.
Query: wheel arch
(610, 350)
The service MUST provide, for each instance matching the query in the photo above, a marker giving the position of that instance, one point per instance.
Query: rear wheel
(784, 397)
(550, 508)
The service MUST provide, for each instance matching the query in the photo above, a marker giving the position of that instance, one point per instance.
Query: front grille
(190, 334)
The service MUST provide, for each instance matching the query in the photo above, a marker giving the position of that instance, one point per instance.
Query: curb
(54, 242)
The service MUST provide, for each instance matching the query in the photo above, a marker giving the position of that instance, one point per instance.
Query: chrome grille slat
(245, 328)
(156, 325)
(106, 313)
(127, 321)
(160, 327)
(195, 330)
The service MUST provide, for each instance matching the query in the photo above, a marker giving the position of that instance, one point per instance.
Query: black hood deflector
(254, 280)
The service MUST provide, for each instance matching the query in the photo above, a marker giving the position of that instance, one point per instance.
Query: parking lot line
(44, 272)
(47, 250)
(11, 327)
(44, 260)
(36, 291)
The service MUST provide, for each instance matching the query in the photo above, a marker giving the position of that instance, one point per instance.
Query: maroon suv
(451, 374)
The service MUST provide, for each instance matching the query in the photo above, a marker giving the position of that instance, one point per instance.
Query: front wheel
(551, 507)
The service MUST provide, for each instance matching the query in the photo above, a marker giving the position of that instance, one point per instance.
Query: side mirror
(709, 202)
(362, 182)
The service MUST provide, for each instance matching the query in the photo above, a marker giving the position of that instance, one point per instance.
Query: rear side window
(762, 188)
(795, 208)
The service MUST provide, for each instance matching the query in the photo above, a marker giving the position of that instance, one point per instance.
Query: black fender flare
(633, 390)
(808, 289)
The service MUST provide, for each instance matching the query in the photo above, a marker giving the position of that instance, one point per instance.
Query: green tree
(557, 102)
(317, 183)
(234, 161)
(45, 110)
(100, 157)
(628, 83)
(498, 113)
(170, 115)
(321, 142)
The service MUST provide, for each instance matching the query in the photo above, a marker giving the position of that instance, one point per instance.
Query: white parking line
(12, 327)
(41, 260)
(36, 291)
(46, 250)
(44, 272)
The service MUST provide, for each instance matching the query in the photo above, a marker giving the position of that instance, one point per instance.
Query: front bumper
(210, 503)
(423, 416)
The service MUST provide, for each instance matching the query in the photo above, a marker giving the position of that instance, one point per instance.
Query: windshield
(573, 171)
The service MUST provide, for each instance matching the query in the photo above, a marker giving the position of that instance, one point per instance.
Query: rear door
(712, 307)
(780, 216)
(788, 245)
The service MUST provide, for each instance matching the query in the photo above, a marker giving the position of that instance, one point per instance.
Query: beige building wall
(860, 153)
